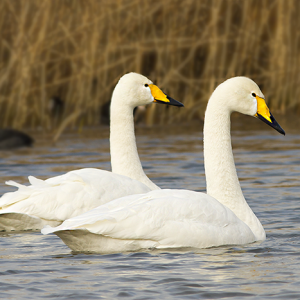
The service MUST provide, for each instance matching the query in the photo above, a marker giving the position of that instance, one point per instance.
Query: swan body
(56, 199)
(158, 219)
(182, 218)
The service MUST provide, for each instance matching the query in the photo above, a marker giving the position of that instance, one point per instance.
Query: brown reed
(78, 49)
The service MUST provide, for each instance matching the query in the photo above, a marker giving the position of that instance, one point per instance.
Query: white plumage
(158, 219)
(182, 218)
(56, 199)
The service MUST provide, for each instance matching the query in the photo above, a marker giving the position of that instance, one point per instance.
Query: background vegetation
(77, 50)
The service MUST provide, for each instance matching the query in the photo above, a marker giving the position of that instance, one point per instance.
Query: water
(34, 266)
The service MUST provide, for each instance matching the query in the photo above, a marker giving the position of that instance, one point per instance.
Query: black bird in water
(12, 139)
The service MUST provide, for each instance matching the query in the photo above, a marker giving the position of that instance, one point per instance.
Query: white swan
(56, 199)
(182, 218)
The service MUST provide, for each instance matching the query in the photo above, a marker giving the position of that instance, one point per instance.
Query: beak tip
(273, 123)
(174, 102)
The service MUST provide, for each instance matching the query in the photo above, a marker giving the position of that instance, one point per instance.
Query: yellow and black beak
(264, 114)
(161, 97)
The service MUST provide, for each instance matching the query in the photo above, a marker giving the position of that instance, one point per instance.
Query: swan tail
(37, 182)
(23, 192)
(13, 183)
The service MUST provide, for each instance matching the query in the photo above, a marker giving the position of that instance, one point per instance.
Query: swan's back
(160, 219)
(65, 196)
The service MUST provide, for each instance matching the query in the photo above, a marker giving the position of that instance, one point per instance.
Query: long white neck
(124, 156)
(221, 178)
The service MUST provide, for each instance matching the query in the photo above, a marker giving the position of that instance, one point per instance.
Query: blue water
(33, 266)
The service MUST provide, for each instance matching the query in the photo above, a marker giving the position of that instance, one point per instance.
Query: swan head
(139, 90)
(243, 95)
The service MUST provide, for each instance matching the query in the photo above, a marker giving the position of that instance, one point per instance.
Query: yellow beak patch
(263, 109)
(158, 94)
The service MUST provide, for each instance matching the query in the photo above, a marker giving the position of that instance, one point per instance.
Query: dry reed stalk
(78, 49)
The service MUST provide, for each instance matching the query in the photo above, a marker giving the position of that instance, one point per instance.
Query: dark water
(33, 266)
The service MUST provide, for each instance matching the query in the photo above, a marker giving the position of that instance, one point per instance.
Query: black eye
(253, 94)
(146, 85)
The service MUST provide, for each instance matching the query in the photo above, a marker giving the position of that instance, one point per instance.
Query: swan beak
(264, 114)
(160, 97)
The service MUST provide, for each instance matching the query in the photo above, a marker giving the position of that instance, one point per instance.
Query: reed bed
(77, 50)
